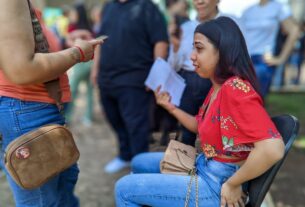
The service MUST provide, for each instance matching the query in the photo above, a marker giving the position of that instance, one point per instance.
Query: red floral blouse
(234, 122)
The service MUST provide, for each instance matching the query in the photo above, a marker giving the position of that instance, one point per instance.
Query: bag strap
(189, 188)
(42, 46)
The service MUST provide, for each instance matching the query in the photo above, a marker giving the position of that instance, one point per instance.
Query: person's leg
(162, 190)
(264, 74)
(66, 184)
(147, 162)
(74, 81)
(278, 80)
(193, 96)
(19, 117)
(301, 58)
(168, 124)
(89, 95)
(110, 104)
(134, 109)
(88, 116)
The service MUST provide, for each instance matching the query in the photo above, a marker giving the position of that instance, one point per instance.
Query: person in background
(95, 17)
(162, 121)
(25, 105)
(260, 32)
(238, 139)
(177, 8)
(79, 23)
(137, 36)
(62, 23)
(298, 54)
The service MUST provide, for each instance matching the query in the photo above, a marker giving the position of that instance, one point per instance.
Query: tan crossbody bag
(179, 159)
(35, 157)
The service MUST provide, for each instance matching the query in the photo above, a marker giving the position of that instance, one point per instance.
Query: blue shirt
(261, 24)
(133, 27)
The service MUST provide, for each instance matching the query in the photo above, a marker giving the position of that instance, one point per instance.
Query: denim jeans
(196, 90)
(147, 186)
(19, 117)
(264, 73)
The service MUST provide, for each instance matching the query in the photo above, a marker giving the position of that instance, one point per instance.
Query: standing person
(179, 57)
(238, 139)
(24, 101)
(79, 23)
(162, 121)
(260, 32)
(137, 35)
(95, 17)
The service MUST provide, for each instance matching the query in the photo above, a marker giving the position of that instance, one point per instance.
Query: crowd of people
(228, 64)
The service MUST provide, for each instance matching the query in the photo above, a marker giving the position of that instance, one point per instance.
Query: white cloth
(260, 26)
(182, 58)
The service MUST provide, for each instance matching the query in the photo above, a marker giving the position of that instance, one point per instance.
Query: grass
(289, 103)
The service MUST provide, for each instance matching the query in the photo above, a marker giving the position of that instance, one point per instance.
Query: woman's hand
(232, 196)
(78, 34)
(163, 99)
(87, 48)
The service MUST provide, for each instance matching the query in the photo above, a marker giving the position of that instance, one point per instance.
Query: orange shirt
(36, 92)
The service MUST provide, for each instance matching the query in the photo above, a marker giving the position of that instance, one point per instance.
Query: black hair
(169, 3)
(178, 21)
(83, 21)
(234, 59)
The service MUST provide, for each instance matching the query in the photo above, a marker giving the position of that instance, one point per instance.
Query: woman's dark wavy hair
(234, 59)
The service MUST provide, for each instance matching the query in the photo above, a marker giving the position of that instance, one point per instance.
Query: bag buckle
(192, 171)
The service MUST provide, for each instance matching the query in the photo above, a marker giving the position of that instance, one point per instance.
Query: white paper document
(161, 74)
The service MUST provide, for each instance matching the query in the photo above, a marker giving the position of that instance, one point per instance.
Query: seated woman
(238, 139)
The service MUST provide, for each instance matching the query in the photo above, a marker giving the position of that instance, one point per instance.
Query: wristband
(82, 54)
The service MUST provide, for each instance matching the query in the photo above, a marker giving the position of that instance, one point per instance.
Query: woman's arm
(292, 29)
(264, 155)
(187, 120)
(17, 58)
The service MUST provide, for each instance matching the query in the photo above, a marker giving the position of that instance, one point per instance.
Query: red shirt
(234, 122)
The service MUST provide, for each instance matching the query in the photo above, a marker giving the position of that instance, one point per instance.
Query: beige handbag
(179, 159)
(35, 157)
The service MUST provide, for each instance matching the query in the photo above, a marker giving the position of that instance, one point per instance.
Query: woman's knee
(147, 162)
(123, 186)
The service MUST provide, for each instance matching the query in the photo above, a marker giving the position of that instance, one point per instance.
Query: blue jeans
(264, 73)
(19, 117)
(195, 92)
(147, 186)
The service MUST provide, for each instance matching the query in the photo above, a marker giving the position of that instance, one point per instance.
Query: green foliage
(289, 103)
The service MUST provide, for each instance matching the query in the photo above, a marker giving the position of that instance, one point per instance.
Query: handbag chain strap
(189, 188)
